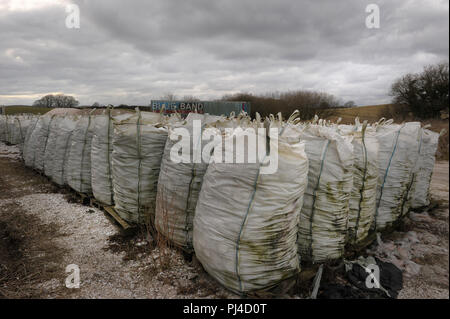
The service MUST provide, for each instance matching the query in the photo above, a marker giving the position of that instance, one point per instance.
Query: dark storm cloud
(132, 51)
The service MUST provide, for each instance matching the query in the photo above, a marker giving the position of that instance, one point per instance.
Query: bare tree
(58, 101)
(350, 104)
(169, 96)
(190, 98)
(45, 101)
(65, 101)
(309, 103)
(425, 93)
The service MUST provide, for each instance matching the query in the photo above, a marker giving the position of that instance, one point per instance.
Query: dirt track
(43, 229)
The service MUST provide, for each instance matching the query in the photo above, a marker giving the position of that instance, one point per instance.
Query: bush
(425, 93)
(309, 103)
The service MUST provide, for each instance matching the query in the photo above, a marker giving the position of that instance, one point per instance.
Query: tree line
(57, 101)
(425, 94)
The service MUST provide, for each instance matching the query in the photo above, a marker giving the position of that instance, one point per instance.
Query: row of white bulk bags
(60, 163)
(419, 193)
(25, 124)
(362, 202)
(3, 128)
(27, 148)
(322, 229)
(397, 156)
(51, 147)
(179, 183)
(14, 129)
(79, 159)
(246, 222)
(38, 142)
(138, 147)
(101, 157)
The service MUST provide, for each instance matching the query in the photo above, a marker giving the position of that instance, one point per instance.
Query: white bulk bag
(324, 216)
(101, 157)
(138, 146)
(28, 150)
(79, 160)
(3, 128)
(61, 153)
(362, 202)
(38, 142)
(397, 156)
(179, 184)
(15, 133)
(49, 154)
(245, 224)
(419, 193)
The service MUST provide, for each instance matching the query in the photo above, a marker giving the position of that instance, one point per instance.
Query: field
(20, 109)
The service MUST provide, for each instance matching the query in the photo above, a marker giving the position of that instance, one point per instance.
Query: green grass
(19, 109)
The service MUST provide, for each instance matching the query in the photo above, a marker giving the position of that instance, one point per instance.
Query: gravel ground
(43, 229)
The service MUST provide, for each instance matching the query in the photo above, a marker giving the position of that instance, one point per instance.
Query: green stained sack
(362, 203)
(101, 157)
(179, 184)
(245, 224)
(324, 216)
(138, 146)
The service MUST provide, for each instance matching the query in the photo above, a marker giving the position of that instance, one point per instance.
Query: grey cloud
(130, 52)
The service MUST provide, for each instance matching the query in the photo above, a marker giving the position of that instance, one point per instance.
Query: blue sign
(210, 107)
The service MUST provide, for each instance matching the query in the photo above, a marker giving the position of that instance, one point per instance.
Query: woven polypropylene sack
(362, 202)
(79, 161)
(138, 147)
(101, 157)
(324, 216)
(419, 195)
(63, 143)
(24, 123)
(38, 142)
(245, 224)
(179, 184)
(3, 128)
(16, 133)
(50, 150)
(27, 151)
(397, 155)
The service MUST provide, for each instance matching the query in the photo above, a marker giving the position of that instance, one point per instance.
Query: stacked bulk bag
(138, 147)
(179, 183)
(49, 154)
(362, 202)
(3, 128)
(38, 142)
(101, 155)
(324, 216)
(79, 160)
(60, 167)
(14, 130)
(419, 193)
(397, 156)
(27, 149)
(23, 122)
(245, 224)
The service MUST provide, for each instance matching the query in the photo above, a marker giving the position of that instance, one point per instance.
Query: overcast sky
(132, 51)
